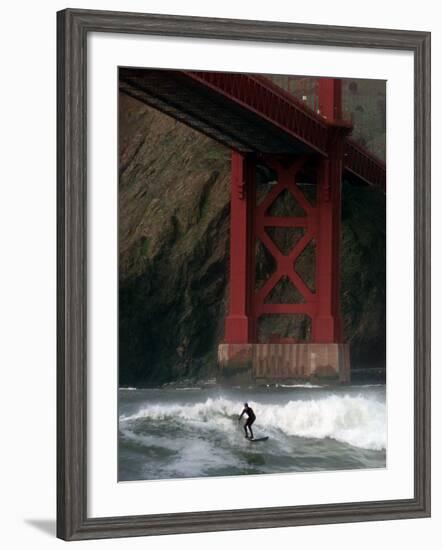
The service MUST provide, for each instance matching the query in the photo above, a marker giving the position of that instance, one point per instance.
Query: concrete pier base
(271, 362)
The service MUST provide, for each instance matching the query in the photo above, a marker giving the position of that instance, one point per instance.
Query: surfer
(250, 419)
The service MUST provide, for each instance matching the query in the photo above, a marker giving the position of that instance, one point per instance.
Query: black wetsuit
(250, 420)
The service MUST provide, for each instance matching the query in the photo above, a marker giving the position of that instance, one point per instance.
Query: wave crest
(356, 420)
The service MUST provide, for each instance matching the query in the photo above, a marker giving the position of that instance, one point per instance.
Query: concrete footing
(268, 363)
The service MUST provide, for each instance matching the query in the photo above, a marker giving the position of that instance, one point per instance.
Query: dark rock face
(173, 254)
(363, 275)
(173, 246)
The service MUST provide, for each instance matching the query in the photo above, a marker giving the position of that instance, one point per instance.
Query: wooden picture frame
(73, 27)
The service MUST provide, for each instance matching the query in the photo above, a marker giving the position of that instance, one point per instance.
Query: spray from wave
(355, 420)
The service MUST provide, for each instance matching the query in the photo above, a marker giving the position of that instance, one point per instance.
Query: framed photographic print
(243, 274)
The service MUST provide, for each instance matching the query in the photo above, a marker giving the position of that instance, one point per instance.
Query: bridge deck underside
(234, 125)
(212, 114)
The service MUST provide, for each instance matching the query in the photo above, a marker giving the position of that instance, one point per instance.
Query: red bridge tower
(242, 356)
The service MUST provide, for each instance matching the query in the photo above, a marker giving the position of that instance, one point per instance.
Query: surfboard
(258, 440)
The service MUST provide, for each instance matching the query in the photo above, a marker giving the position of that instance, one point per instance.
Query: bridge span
(263, 124)
(248, 113)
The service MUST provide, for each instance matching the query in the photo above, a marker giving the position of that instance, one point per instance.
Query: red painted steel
(327, 325)
(249, 222)
(321, 223)
(364, 165)
(330, 98)
(239, 325)
(261, 96)
(285, 263)
(274, 104)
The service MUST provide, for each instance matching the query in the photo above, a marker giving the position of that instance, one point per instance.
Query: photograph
(251, 274)
(218, 250)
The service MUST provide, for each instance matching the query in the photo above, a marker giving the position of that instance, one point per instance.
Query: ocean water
(170, 433)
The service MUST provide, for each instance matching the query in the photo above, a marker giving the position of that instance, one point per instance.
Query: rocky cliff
(173, 253)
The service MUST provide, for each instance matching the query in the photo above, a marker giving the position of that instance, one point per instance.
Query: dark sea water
(169, 433)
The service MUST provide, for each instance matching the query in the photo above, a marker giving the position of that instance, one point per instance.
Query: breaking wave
(356, 420)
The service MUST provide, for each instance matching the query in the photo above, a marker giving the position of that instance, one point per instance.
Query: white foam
(357, 420)
(307, 385)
